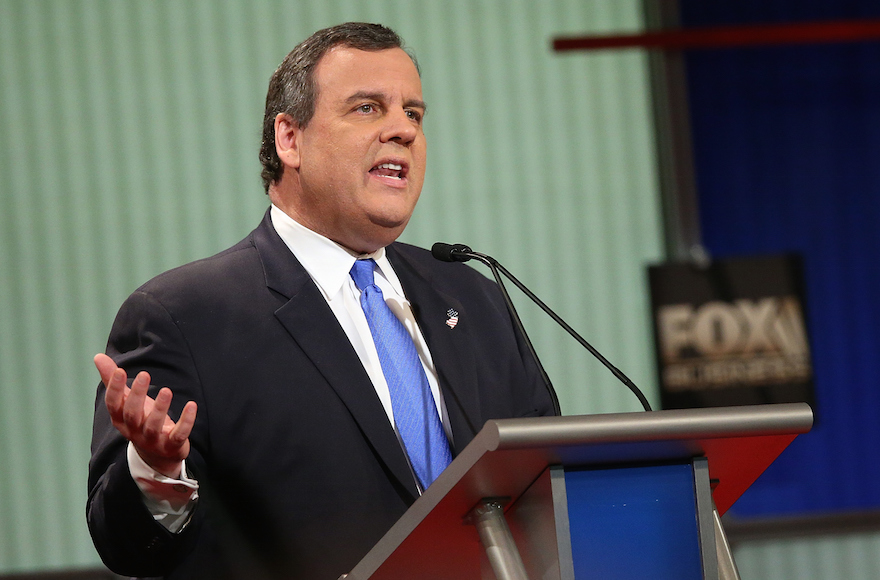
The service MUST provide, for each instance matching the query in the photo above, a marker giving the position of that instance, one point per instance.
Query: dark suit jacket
(299, 468)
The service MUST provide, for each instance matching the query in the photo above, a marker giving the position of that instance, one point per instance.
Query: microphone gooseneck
(463, 253)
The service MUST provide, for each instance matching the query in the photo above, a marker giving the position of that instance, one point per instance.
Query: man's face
(360, 162)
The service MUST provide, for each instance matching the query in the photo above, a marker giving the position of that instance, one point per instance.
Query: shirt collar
(326, 262)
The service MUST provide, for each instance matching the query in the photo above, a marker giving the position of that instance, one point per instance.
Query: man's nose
(400, 128)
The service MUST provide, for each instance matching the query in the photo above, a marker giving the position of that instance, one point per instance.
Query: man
(260, 436)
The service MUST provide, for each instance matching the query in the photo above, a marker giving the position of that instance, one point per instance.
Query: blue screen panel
(634, 523)
(785, 149)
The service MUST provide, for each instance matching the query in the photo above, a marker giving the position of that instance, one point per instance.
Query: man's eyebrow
(417, 104)
(382, 97)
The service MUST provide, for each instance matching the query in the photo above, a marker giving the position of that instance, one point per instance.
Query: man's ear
(288, 140)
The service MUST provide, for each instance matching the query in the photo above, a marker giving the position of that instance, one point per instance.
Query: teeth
(393, 166)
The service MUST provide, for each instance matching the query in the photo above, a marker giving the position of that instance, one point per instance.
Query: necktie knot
(362, 273)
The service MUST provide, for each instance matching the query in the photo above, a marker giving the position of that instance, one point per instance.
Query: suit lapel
(453, 358)
(308, 319)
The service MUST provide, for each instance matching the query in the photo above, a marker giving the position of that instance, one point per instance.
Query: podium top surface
(508, 455)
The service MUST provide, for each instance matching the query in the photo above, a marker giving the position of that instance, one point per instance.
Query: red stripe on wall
(803, 33)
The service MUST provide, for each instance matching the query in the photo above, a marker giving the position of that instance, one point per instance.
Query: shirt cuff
(171, 501)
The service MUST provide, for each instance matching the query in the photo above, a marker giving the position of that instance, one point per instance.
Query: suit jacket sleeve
(128, 539)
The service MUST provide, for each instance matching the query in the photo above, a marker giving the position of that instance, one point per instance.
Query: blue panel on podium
(634, 523)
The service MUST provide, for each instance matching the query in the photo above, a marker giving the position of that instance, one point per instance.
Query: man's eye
(366, 108)
(414, 115)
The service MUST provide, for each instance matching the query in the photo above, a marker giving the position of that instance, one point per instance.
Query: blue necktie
(415, 412)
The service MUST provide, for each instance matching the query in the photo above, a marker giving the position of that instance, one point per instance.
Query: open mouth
(395, 171)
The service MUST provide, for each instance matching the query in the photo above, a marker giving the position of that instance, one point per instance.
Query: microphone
(462, 253)
(451, 252)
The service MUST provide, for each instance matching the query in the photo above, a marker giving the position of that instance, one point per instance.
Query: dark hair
(292, 88)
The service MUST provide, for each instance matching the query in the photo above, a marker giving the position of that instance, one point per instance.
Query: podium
(616, 496)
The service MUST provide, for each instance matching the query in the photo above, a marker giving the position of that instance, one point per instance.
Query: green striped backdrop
(128, 139)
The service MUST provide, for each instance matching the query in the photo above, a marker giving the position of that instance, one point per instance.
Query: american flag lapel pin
(453, 318)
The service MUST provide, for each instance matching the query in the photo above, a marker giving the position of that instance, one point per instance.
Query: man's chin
(380, 233)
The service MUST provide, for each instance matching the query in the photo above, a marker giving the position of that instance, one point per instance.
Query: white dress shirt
(328, 264)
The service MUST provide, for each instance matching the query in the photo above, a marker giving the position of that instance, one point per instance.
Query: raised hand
(144, 421)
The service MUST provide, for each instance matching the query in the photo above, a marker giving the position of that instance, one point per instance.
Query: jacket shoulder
(207, 271)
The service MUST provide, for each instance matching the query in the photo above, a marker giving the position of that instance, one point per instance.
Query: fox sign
(731, 333)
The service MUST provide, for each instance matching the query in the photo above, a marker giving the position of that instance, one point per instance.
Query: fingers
(143, 420)
(105, 366)
(158, 415)
(114, 380)
(180, 433)
(121, 406)
(133, 408)
(115, 397)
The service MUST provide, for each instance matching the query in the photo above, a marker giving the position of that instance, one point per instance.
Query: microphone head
(451, 252)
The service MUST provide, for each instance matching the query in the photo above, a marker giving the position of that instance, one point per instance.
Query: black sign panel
(732, 333)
